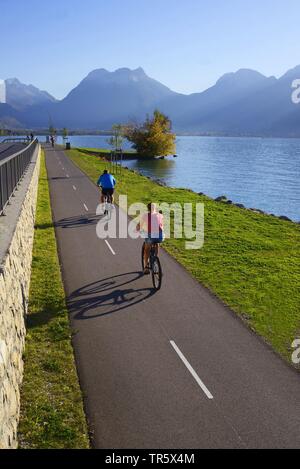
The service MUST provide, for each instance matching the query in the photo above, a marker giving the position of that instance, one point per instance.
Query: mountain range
(241, 103)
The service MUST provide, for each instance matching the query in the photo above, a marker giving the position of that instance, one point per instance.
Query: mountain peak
(19, 95)
(292, 73)
(130, 71)
(120, 76)
(97, 73)
(12, 81)
(245, 75)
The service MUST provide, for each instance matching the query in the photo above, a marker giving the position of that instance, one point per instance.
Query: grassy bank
(250, 260)
(51, 403)
(105, 152)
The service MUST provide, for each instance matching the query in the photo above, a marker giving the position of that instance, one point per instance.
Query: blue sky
(186, 44)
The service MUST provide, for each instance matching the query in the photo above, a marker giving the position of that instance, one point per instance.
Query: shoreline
(130, 155)
(108, 133)
(221, 199)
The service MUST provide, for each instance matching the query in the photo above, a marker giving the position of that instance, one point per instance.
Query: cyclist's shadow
(106, 296)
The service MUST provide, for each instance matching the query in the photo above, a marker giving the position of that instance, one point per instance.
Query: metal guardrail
(12, 170)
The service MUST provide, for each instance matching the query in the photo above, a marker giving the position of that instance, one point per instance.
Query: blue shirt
(107, 181)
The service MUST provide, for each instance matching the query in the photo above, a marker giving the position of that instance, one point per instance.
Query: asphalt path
(171, 369)
(8, 149)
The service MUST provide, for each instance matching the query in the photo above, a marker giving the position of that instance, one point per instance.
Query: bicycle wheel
(105, 205)
(143, 250)
(156, 273)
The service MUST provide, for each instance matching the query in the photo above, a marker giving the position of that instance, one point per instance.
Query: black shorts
(107, 191)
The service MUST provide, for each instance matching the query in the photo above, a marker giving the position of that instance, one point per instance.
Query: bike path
(174, 369)
(8, 149)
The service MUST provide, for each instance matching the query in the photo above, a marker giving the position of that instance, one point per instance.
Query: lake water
(257, 172)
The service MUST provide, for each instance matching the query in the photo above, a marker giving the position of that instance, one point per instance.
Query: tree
(154, 137)
(116, 140)
(65, 132)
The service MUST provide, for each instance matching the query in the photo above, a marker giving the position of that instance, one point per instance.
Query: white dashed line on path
(110, 248)
(191, 370)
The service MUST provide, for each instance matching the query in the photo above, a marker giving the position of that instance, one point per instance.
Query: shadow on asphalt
(74, 222)
(70, 222)
(55, 178)
(107, 296)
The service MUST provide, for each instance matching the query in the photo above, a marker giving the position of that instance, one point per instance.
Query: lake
(257, 172)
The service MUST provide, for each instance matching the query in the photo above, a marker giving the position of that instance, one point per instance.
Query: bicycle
(154, 266)
(107, 204)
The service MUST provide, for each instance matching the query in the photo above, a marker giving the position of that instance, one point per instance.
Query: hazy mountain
(20, 96)
(105, 98)
(241, 103)
(10, 117)
(212, 110)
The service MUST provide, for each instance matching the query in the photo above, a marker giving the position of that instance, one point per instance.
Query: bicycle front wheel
(156, 273)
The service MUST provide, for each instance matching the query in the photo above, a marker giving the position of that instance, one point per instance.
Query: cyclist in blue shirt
(107, 183)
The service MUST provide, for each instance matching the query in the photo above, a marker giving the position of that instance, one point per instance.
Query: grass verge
(105, 152)
(52, 413)
(249, 260)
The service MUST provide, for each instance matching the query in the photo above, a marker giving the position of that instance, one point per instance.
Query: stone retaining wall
(15, 269)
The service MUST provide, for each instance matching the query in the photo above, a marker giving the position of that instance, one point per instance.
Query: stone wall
(15, 269)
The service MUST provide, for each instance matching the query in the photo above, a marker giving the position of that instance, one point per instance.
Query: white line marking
(67, 175)
(191, 370)
(111, 249)
(86, 207)
(74, 188)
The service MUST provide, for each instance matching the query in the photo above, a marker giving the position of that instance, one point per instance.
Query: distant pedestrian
(52, 140)
(31, 136)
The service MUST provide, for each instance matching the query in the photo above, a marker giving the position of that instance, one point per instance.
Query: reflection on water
(160, 169)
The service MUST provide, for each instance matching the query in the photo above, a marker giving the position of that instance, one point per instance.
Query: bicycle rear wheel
(156, 273)
(143, 263)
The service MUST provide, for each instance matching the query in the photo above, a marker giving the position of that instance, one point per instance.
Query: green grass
(104, 151)
(251, 261)
(52, 413)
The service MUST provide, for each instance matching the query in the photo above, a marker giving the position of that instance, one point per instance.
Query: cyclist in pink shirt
(151, 227)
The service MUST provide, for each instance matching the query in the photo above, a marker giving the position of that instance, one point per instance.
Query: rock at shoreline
(229, 202)
(221, 198)
(159, 182)
(240, 205)
(283, 217)
(257, 210)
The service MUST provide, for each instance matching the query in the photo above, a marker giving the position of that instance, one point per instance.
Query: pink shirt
(155, 220)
